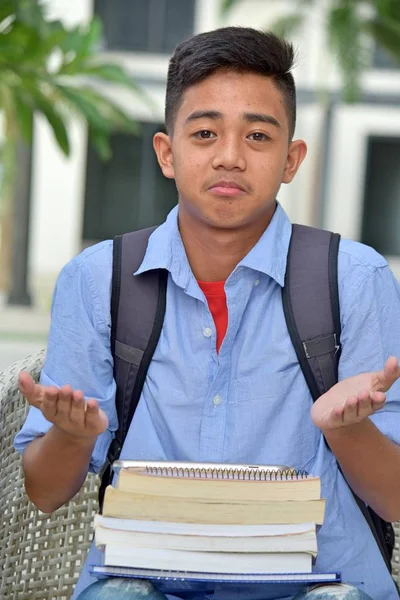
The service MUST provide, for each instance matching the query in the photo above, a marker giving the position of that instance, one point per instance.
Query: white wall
(57, 192)
(300, 198)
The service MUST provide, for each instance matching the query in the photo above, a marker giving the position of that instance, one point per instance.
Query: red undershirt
(216, 298)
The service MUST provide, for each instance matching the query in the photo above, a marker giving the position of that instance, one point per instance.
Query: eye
(257, 136)
(205, 134)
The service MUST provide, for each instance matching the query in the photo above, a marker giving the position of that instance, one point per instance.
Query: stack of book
(216, 521)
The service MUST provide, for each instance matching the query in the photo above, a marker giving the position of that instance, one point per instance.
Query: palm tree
(51, 70)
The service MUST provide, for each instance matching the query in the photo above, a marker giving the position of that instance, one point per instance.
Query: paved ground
(12, 350)
(22, 331)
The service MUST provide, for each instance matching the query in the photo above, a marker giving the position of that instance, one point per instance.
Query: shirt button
(217, 400)
(256, 283)
(207, 332)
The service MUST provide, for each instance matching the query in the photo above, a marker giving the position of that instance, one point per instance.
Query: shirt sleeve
(78, 351)
(371, 334)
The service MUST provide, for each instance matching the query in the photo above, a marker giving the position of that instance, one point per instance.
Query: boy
(224, 384)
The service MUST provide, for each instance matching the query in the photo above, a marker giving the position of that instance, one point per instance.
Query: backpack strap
(311, 305)
(137, 315)
(310, 300)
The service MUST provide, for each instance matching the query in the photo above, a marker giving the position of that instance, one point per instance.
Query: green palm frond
(24, 113)
(80, 45)
(110, 72)
(30, 14)
(42, 103)
(389, 9)
(386, 33)
(7, 8)
(101, 143)
(110, 112)
(226, 5)
(50, 69)
(100, 112)
(75, 100)
(345, 37)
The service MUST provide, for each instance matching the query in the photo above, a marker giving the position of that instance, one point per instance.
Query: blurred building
(350, 181)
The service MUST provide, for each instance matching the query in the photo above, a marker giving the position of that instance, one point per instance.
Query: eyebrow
(261, 117)
(249, 117)
(203, 114)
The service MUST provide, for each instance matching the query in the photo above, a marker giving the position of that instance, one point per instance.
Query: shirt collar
(165, 250)
(269, 255)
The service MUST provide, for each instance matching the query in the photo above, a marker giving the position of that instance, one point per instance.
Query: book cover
(272, 585)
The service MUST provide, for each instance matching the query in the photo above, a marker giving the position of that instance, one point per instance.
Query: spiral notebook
(178, 582)
(210, 470)
(222, 501)
(213, 493)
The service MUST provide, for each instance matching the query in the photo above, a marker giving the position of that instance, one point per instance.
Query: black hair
(240, 49)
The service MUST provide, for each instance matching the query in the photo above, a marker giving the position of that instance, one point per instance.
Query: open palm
(64, 407)
(356, 398)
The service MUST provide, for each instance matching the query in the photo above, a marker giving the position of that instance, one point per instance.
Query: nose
(229, 155)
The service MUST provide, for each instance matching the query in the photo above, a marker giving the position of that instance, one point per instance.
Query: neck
(214, 253)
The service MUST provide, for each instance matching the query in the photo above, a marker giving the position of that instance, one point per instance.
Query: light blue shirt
(250, 403)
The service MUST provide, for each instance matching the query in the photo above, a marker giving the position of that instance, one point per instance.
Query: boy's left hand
(354, 399)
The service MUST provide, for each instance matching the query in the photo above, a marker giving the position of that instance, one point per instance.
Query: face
(230, 151)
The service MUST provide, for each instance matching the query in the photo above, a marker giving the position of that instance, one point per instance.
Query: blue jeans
(119, 588)
(339, 591)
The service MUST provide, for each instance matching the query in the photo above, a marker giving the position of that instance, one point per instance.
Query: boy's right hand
(65, 408)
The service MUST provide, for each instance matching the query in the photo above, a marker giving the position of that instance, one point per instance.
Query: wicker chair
(40, 555)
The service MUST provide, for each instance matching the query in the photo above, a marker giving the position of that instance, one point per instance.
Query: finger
(32, 391)
(26, 384)
(64, 403)
(365, 404)
(350, 412)
(390, 373)
(77, 414)
(91, 414)
(378, 400)
(96, 419)
(337, 416)
(392, 369)
(49, 403)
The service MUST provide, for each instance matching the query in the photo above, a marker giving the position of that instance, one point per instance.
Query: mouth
(227, 188)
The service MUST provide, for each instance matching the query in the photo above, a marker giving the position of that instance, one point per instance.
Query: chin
(226, 223)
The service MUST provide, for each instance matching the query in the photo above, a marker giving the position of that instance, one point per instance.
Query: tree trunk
(5, 248)
(8, 164)
(18, 285)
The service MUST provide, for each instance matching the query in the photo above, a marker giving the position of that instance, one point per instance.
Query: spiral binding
(244, 474)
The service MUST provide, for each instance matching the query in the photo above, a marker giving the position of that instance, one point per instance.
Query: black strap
(106, 473)
(334, 294)
(311, 306)
(137, 314)
(148, 353)
(115, 288)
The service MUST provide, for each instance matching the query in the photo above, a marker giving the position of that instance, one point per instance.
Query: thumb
(389, 374)
(29, 389)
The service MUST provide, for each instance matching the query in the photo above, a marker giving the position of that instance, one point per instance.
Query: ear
(163, 149)
(296, 155)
